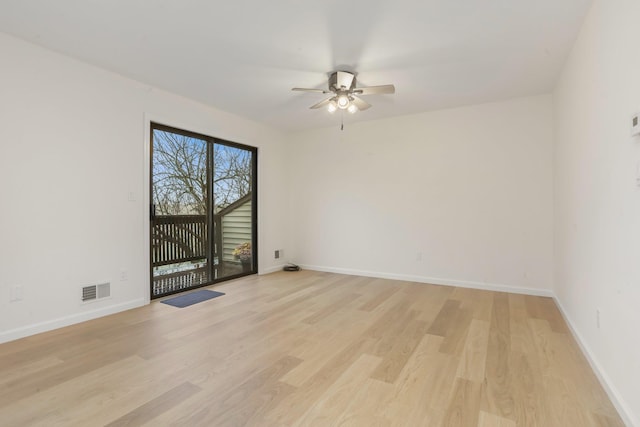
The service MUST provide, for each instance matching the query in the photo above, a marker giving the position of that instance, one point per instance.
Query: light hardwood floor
(311, 348)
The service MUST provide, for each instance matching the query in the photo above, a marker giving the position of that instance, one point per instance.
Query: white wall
(468, 189)
(72, 147)
(461, 196)
(597, 214)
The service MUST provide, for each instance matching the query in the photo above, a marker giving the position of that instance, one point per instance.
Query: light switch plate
(17, 293)
(635, 124)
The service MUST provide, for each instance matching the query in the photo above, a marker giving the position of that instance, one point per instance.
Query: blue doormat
(192, 298)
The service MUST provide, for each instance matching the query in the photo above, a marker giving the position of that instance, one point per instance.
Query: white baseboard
(270, 270)
(434, 281)
(613, 393)
(61, 322)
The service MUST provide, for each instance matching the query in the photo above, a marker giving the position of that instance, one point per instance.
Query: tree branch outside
(180, 174)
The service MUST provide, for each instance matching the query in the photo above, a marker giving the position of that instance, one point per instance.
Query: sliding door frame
(211, 142)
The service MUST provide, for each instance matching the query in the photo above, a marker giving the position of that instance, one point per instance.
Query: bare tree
(231, 174)
(180, 174)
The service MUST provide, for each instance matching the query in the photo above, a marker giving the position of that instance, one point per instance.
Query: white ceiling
(244, 56)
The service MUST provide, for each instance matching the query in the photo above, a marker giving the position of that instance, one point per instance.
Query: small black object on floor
(192, 298)
(291, 267)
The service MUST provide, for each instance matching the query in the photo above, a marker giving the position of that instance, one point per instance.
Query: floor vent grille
(93, 292)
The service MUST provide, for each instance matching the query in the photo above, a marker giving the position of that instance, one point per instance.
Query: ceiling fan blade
(302, 89)
(360, 103)
(375, 90)
(321, 104)
(344, 79)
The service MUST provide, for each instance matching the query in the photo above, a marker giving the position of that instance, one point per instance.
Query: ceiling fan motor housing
(339, 79)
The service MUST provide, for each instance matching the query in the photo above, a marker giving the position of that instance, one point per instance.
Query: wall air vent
(93, 292)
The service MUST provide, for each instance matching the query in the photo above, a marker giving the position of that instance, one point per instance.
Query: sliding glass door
(203, 210)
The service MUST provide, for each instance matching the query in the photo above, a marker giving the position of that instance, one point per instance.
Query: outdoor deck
(183, 280)
(193, 250)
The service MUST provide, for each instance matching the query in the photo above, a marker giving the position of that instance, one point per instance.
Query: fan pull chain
(342, 120)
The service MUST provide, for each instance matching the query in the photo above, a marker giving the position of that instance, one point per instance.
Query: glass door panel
(233, 209)
(180, 252)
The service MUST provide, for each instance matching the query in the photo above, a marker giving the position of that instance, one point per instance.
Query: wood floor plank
(397, 357)
(496, 388)
(491, 420)
(293, 407)
(15, 372)
(332, 403)
(35, 382)
(429, 299)
(382, 295)
(552, 315)
(131, 383)
(157, 406)
(363, 407)
(249, 399)
(474, 356)
(479, 302)
(521, 337)
(316, 353)
(443, 321)
(392, 333)
(529, 401)
(392, 317)
(311, 348)
(464, 405)
(408, 401)
(454, 339)
(330, 309)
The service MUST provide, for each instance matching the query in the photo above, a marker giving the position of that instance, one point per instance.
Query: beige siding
(236, 229)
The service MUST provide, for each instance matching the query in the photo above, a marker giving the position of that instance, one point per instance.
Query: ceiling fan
(342, 86)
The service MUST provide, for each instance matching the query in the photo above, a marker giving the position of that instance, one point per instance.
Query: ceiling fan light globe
(343, 101)
(352, 109)
(332, 107)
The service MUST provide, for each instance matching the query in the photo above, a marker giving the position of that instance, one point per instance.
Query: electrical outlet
(598, 318)
(124, 276)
